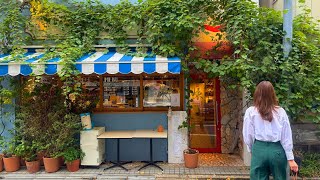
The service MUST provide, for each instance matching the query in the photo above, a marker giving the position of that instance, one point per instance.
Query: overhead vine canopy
(169, 26)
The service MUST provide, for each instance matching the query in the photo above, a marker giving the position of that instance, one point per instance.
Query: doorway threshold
(218, 159)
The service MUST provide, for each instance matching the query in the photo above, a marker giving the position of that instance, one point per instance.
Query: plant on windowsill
(72, 157)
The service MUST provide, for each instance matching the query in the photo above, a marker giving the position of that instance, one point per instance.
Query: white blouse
(254, 127)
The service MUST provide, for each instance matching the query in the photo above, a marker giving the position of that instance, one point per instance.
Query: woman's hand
(293, 166)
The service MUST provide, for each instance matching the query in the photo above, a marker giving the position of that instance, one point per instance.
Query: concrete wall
(134, 149)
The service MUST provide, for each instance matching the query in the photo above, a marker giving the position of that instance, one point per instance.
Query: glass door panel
(204, 115)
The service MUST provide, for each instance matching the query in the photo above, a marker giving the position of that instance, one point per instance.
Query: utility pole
(287, 27)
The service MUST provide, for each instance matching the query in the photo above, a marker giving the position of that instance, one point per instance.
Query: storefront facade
(134, 92)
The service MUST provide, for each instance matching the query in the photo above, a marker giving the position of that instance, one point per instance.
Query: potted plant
(72, 157)
(1, 162)
(28, 151)
(191, 156)
(61, 136)
(10, 160)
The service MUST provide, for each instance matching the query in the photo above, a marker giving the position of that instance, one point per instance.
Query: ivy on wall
(256, 34)
(169, 26)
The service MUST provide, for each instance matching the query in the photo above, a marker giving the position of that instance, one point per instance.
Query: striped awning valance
(97, 62)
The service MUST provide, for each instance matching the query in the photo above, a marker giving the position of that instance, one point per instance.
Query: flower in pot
(28, 151)
(72, 157)
(10, 160)
(191, 158)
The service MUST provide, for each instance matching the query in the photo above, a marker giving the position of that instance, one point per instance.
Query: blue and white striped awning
(97, 62)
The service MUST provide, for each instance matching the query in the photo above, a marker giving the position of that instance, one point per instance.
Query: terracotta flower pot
(1, 163)
(51, 164)
(191, 158)
(73, 166)
(40, 156)
(61, 161)
(22, 162)
(11, 164)
(33, 166)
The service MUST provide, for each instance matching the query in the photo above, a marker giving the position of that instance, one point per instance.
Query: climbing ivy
(169, 26)
(12, 27)
(256, 35)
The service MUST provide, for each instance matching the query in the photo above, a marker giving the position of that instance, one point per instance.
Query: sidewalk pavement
(171, 172)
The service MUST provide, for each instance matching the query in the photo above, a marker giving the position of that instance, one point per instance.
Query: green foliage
(8, 146)
(6, 104)
(73, 153)
(12, 26)
(256, 35)
(28, 150)
(310, 165)
(168, 26)
(85, 101)
(43, 119)
(65, 126)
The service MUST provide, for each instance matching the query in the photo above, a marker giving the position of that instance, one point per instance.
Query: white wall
(314, 5)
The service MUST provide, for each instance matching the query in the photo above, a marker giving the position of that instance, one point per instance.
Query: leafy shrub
(310, 165)
(73, 153)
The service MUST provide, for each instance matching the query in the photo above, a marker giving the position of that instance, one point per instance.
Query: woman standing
(267, 134)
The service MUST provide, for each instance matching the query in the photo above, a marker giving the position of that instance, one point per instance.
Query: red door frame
(218, 125)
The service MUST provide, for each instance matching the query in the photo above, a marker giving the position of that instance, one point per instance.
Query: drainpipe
(287, 40)
(287, 27)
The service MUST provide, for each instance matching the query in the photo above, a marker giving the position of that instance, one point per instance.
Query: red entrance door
(205, 132)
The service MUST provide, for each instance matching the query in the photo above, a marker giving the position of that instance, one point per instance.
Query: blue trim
(125, 68)
(51, 69)
(82, 58)
(102, 68)
(149, 68)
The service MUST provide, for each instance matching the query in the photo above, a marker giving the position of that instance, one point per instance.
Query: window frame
(141, 76)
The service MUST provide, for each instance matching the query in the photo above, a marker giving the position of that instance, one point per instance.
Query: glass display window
(161, 91)
(90, 91)
(121, 92)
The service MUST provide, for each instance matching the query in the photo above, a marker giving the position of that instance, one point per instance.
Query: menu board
(121, 92)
